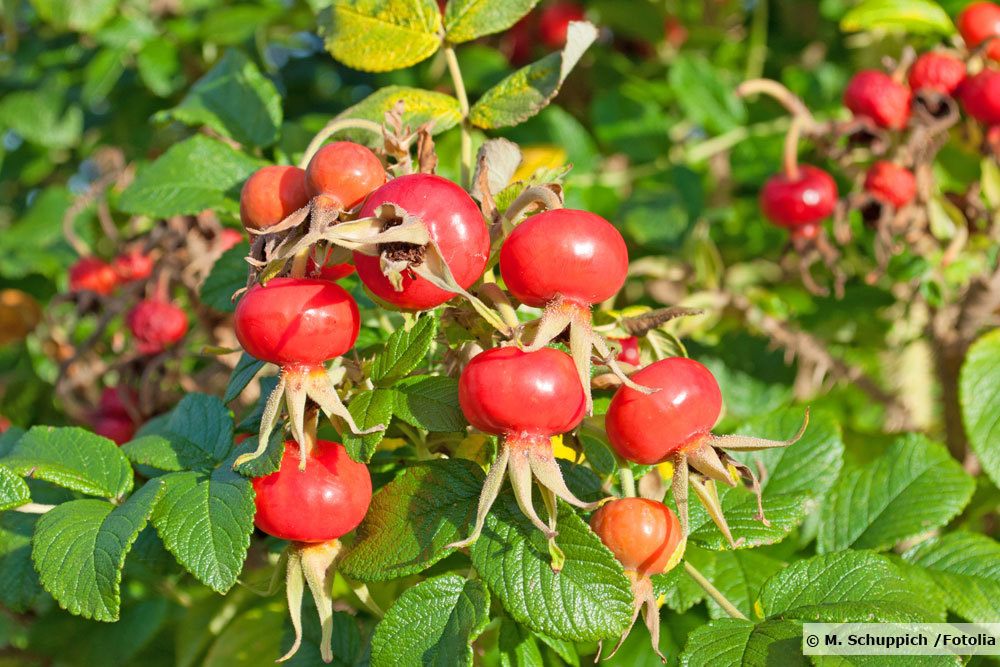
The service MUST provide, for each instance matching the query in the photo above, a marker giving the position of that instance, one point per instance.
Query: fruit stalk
(463, 105)
(714, 592)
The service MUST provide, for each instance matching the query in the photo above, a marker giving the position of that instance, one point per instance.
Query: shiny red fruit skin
(630, 351)
(344, 171)
(980, 96)
(977, 22)
(554, 20)
(133, 266)
(325, 501)
(271, 194)
(873, 94)
(506, 391)
(297, 321)
(937, 71)
(156, 325)
(330, 271)
(649, 428)
(806, 200)
(91, 274)
(891, 183)
(642, 534)
(574, 254)
(454, 222)
(116, 428)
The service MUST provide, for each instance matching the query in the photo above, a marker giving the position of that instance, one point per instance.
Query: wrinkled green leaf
(731, 641)
(244, 373)
(980, 396)
(465, 20)
(419, 107)
(430, 403)
(404, 351)
(13, 490)
(381, 35)
(369, 409)
(966, 566)
(228, 276)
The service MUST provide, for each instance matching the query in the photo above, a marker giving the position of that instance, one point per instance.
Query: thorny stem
(333, 127)
(714, 592)
(785, 97)
(463, 105)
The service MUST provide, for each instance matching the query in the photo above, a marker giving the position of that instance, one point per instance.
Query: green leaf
(465, 20)
(381, 35)
(269, 461)
(430, 403)
(419, 107)
(530, 89)
(252, 638)
(168, 452)
(589, 599)
(244, 373)
(102, 73)
(705, 94)
(413, 518)
(42, 117)
(435, 622)
(235, 100)
(517, 646)
(74, 459)
(980, 396)
(680, 592)
(205, 521)
(848, 586)
(916, 486)
(731, 641)
(921, 17)
(205, 421)
(158, 63)
(19, 587)
(404, 351)
(73, 15)
(966, 566)
(79, 550)
(784, 511)
(194, 175)
(228, 275)
(369, 409)
(13, 490)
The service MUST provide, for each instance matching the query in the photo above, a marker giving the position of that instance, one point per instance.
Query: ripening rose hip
(156, 325)
(133, 266)
(91, 274)
(326, 501)
(891, 183)
(271, 194)
(526, 398)
(675, 424)
(454, 222)
(978, 22)
(980, 96)
(875, 95)
(939, 72)
(345, 172)
(802, 201)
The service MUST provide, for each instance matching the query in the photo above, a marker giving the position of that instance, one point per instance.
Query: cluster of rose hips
(801, 197)
(418, 241)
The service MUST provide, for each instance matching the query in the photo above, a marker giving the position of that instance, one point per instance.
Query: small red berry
(271, 194)
(133, 266)
(642, 534)
(891, 183)
(229, 238)
(321, 503)
(978, 22)
(344, 171)
(980, 95)
(156, 325)
(630, 351)
(940, 72)
(802, 201)
(91, 274)
(564, 253)
(674, 32)
(875, 95)
(498, 385)
(554, 22)
(454, 222)
(297, 321)
(648, 428)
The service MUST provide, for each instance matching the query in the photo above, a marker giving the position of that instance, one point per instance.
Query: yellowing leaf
(543, 156)
(381, 35)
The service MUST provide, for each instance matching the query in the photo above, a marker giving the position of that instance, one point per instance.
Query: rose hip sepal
(298, 324)
(525, 398)
(566, 261)
(313, 509)
(646, 538)
(446, 261)
(675, 424)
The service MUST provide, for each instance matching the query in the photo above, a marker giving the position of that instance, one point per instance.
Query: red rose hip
(877, 96)
(642, 534)
(806, 199)
(980, 96)
(271, 194)
(156, 325)
(891, 183)
(554, 22)
(91, 274)
(132, 266)
(978, 22)
(939, 72)
(344, 171)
